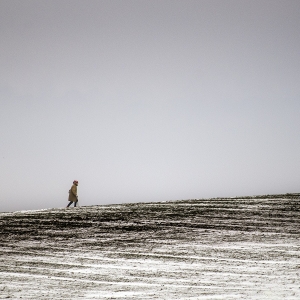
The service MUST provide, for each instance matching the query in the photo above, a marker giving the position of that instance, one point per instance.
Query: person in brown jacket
(73, 197)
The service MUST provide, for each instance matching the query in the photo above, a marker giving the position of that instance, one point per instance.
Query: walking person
(73, 197)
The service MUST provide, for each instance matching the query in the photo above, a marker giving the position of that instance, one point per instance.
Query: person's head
(75, 182)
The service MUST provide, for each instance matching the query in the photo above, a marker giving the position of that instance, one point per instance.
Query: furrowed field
(237, 248)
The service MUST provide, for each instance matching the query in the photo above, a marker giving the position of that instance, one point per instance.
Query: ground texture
(246, 248)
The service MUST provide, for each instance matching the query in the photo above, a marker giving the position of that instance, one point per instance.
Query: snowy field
(246, 248)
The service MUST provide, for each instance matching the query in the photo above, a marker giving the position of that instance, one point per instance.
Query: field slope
(238, 248)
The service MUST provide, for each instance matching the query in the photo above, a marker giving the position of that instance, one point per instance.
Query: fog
(147, 100)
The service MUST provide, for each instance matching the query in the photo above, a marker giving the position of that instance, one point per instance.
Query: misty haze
(144, 101)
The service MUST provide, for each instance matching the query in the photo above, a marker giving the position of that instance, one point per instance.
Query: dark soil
(237, 248)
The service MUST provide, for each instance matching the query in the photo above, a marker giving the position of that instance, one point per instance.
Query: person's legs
(75, 203)
(69, 203)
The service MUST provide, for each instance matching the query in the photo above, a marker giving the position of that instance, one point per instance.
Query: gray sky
(147, 100)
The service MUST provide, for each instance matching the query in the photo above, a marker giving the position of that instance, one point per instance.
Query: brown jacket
(73, 193)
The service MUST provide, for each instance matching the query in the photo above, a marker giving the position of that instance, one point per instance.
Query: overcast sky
(147, 100)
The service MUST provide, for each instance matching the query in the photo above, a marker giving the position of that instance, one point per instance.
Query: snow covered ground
(193, 249)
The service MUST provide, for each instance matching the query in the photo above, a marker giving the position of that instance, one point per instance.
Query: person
(73, 197)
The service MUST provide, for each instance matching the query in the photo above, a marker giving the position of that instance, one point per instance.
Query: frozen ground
(195, 249)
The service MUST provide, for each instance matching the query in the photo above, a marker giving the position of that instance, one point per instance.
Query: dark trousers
(71, 203)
